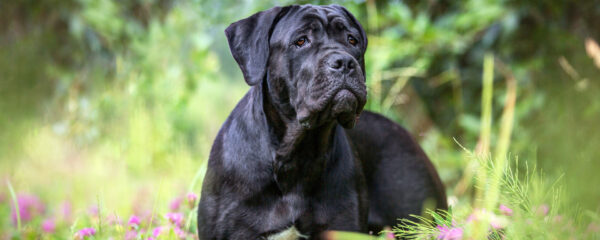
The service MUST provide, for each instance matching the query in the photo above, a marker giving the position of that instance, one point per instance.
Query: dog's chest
(292, 217)
(288, 208)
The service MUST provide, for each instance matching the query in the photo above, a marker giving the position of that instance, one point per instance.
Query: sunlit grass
(138, 173)
(506, 204)
(114, 144)
(138, 169)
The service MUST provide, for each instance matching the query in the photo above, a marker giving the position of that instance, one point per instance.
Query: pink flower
(449, 233)
(66, 211)
(505, 210)
(496, 225)
(113, 219)
(495, 221)
(86, 232)
(175, 203)
(191, 198)
(29, 206)
(175, 218)
(134, 220)
(180, 233)
(390, 235)
(130, 235)
(93, 210)
(157, 231)
(472, 217)
(543, 209)
(48, 226)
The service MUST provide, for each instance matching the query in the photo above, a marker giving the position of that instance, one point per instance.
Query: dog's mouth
(344, 107)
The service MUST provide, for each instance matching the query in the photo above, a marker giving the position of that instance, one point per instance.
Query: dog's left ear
(249, 42)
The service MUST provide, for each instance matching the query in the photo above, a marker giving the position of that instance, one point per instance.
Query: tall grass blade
(483, 148)
(15, 203)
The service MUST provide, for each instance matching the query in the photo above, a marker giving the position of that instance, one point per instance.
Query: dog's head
(311, 57)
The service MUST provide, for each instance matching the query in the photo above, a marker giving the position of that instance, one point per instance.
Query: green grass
(120, 121)
(537, 208)
(131, 174)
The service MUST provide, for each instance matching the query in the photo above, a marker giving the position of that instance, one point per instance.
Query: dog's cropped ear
(249, 42)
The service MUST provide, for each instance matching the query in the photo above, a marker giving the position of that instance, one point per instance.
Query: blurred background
(114, 105)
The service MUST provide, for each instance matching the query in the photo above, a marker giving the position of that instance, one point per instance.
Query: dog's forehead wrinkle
(302, 21)
(308, 14)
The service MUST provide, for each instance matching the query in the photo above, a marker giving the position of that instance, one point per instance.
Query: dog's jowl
(298, 153)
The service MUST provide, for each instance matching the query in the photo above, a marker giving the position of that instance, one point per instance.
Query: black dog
(283, 162)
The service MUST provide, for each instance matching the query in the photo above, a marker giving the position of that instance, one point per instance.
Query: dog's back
(400, 178)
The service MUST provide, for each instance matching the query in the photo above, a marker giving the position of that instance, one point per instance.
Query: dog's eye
(352, 40)
(301, 41)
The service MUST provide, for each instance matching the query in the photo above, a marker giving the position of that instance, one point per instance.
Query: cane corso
(293, 155)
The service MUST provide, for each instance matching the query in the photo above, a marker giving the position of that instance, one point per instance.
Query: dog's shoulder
(380, 129)
(383, 145)
(241, 146)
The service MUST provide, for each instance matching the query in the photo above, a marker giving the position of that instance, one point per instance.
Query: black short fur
(292, 153)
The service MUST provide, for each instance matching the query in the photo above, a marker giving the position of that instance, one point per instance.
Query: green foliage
(538, 211)
(116, 104)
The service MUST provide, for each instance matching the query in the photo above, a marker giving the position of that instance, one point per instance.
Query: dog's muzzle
(345, 108)
(348, 102)
(345, 98)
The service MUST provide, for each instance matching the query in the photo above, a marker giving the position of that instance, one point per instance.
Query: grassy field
(108, 111)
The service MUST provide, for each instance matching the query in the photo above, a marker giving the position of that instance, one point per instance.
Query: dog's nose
(341, 63)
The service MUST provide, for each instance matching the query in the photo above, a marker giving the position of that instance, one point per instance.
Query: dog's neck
(287, 133)
(301, 154)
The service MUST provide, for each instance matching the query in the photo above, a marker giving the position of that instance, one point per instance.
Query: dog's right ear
(249, 42)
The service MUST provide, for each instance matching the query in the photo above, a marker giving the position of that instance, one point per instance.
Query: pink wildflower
(180, 233)
(476, 215)
(93, 211)
(496, 224)
(86, 232)
(543, 209)
(506, 210)
(66, 211)
(191, 198)
(113, 219)
(29, 206)
(157, 231)
(175, 203)
(48, 226)
(472, 217)
(130, 235)
(449, 233)
(175, 218)
(134, 220)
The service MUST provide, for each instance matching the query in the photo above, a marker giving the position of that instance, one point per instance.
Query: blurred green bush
(143, 86)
